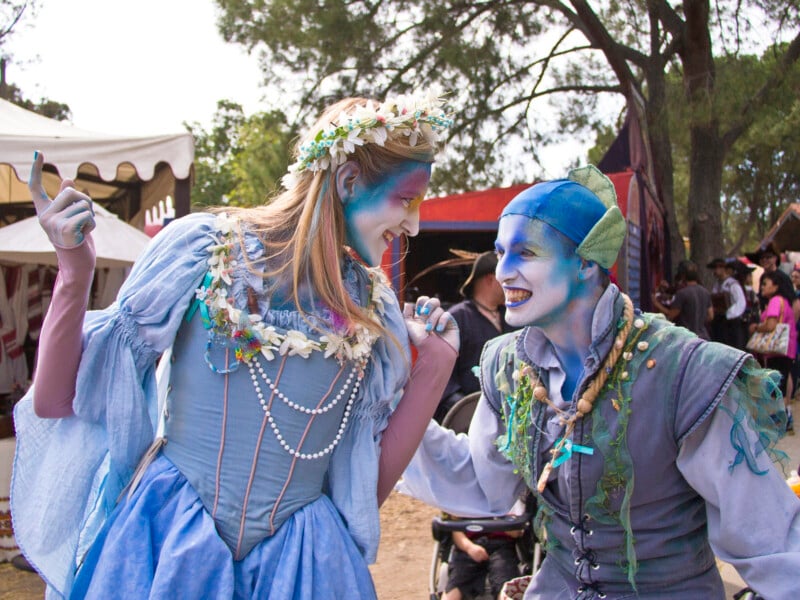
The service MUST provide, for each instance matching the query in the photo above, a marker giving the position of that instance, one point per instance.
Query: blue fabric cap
(565, 205)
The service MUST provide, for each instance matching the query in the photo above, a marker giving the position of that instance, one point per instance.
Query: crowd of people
(732, 311)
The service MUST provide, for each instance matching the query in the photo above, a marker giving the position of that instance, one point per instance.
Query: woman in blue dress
(251, 459)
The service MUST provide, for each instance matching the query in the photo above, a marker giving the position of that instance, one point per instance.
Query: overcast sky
(145, 67)
(126, 67)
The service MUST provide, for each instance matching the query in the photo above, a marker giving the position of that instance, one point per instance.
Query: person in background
(744, 275)
(795, 277)
(480, 318)
(287, 405)
(691, 304)
(649, 449)
(778, 310)
(769, 258)
(478, 557)
(728, 303)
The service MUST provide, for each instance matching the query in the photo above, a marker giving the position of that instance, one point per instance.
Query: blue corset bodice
(254, 454)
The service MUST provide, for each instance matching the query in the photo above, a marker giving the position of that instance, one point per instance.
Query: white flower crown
(413, 115)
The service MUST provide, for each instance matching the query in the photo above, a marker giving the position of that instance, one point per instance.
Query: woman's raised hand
(66, 219)
(425, 317)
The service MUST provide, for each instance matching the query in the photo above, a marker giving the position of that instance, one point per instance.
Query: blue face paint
(377, 213)
(538, 270)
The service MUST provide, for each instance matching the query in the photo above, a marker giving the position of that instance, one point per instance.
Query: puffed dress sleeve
(69, 472)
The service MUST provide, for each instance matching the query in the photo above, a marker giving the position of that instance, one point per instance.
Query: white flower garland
(417, 115)
(251, 336)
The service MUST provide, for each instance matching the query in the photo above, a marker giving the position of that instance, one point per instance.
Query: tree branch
(760, 98)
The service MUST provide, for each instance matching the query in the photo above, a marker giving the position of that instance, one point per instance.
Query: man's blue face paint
(375, 214)
(538, 269)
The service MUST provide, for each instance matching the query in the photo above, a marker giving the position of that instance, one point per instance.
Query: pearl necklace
(354, 379)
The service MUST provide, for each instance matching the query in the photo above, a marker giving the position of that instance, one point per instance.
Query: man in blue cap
(644, 444)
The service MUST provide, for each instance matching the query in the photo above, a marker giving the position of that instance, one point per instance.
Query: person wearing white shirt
(729, 304)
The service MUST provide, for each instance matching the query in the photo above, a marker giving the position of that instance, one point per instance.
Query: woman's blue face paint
(538, 270)
(377, 213)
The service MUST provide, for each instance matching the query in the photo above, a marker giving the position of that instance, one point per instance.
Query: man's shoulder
(696, 291)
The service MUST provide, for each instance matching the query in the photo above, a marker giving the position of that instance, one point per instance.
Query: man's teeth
(513, 296)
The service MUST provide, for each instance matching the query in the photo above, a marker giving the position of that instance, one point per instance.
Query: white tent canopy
(116, 243)
(140, 170)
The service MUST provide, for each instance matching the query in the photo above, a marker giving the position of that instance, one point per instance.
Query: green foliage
(502, 61)
(240, 160)
(484, 55)
(761, 175)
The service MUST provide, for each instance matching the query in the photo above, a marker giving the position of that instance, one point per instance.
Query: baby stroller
(528, 549)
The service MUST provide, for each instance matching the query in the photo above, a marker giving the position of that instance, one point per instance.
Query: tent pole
(182, 197)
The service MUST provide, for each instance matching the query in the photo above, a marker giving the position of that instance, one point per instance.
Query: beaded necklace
(587, 399)
(529, 388)
(250, 336)
(253, 341)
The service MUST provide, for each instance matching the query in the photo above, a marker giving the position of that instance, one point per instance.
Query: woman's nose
(411, 223)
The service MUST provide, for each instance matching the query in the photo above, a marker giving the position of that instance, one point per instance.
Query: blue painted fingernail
(428, 327)
(426, 310)
(440, 327)
(35, 154)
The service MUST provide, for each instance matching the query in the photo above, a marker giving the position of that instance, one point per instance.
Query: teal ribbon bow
(204, 315)
(568, 449)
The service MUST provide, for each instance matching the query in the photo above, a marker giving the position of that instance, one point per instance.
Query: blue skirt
(162, 543)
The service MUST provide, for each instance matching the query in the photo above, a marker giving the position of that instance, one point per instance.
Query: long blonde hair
(303, 228)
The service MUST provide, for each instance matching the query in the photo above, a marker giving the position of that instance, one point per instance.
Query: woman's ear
(346, 176)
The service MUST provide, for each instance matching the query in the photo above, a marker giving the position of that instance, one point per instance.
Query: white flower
(297, 344)
(378, 135)
(224, 224)
(361, 349)
(333, 344)
(353, 140)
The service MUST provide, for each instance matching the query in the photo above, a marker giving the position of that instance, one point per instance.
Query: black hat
(740, 268)
(717, 262)
(769, 248)
(484, 264)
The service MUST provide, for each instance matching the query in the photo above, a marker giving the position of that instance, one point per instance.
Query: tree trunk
(705, 186)
(707, 147)
(661, 153)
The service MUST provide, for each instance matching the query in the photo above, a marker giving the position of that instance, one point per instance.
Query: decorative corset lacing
(254, 442)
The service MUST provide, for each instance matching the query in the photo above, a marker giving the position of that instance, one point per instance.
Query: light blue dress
(223, 510)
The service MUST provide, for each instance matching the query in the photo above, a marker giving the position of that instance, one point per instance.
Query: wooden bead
(584, 406)
(540, 393)
(542, 483)
(651, 363)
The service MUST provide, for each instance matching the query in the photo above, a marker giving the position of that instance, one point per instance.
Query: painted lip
(516, 296)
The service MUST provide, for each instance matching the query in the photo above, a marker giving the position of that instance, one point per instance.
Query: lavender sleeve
(753, 520)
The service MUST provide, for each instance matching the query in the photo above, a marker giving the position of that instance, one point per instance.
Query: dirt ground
(400, 573)
(404, 558)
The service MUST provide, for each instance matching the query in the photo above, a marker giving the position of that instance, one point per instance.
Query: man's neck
(483, 299)
(572, 337)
